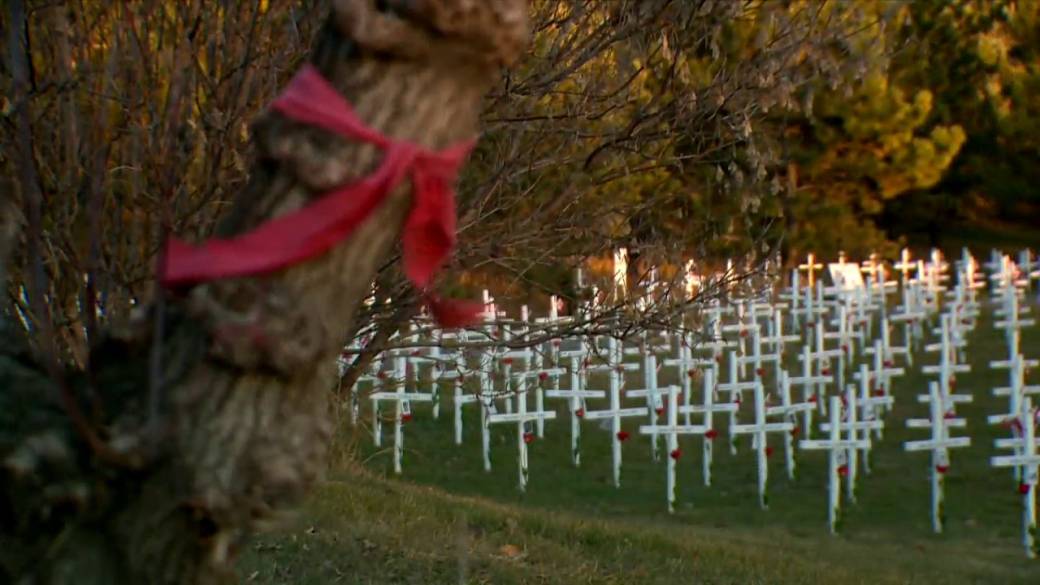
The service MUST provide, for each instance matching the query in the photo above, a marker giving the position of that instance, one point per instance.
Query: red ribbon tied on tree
(429, 230)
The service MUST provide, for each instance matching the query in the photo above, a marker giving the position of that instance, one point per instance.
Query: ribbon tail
(429, 233)
(454, 313)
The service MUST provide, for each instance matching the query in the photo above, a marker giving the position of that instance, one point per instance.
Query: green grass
(445, 520)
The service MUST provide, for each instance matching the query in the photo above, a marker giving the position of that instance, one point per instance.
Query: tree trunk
(200, 432)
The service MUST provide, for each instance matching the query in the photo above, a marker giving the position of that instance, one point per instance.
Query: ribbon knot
(429, 231)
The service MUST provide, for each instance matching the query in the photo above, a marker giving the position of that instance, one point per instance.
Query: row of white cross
(838, 324)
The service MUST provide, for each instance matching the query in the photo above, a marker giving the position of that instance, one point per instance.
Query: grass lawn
(447, 521)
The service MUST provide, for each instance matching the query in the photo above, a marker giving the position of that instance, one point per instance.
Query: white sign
(846, 276)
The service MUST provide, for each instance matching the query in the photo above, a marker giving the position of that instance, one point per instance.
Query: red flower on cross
(622, 436)
(675, 454)
(710, 434)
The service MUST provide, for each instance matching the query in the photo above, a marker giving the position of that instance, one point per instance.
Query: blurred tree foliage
(981, 61)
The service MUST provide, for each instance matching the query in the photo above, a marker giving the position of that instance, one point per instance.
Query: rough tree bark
(134, 474)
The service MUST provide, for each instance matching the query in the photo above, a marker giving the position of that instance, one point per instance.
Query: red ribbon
(429, 230)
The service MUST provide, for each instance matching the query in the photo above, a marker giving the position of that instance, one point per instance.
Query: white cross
(910, 314)
(883, 368)
(615, 413)
(523, 434)
(789, 410)
(671, 431)
(760, 430)
(854, 427)
(844, 337)
(883, 347)
(403, 401)
(811, 266)
(735, 388)
(649, 392)
(822, 357)
(743, 329)
(685, 365)
(1030, 266)
(620, 272)
(1012, 322)
(872, 397)
(794, 297)
(947, 367)
(757, 358)
(539, 377)
(458, 375)
(1016, 391)
(708, 408)
(939, 445)
(777, 339)
(1029, 461)
(814, 306)
(870, 402)
(487, 404)
(905, 265)
(371, 376)
(577, 395)
(716, 343)
(814, 390)
(838, 450)
(434, 359)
